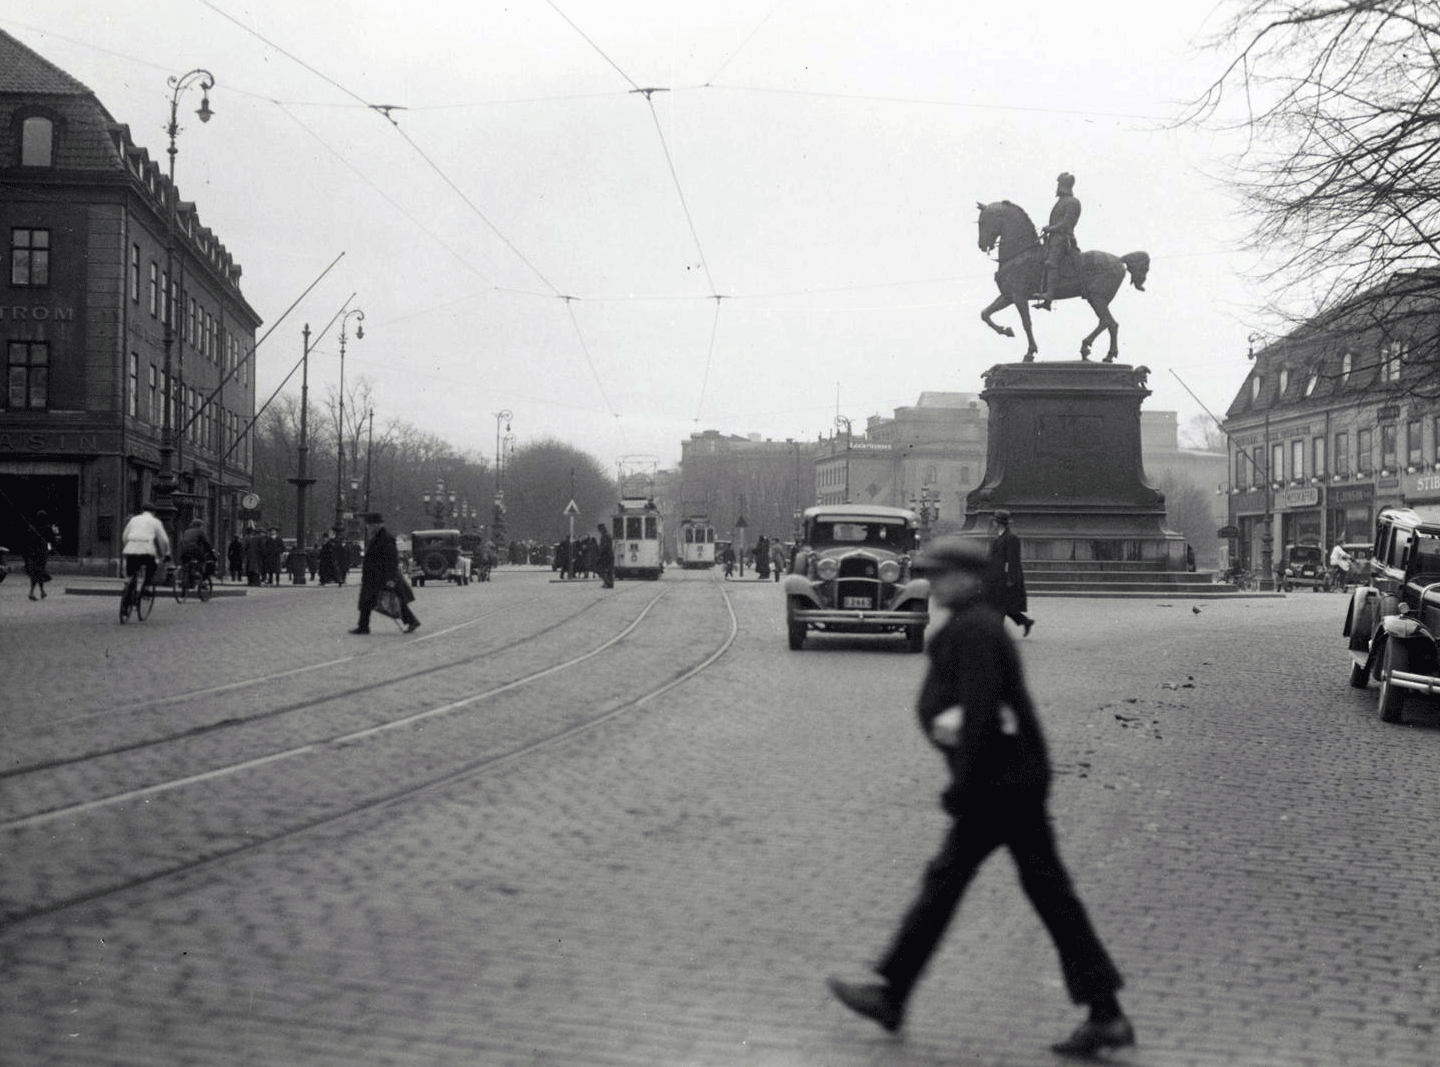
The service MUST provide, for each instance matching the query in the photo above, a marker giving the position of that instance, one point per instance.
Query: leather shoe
(1028, 623)
(874, 1001)
(1091, 1036)
(359, 630)
(412, 627)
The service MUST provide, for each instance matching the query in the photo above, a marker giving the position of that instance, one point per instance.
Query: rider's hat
(1066, 179)
(953, 553)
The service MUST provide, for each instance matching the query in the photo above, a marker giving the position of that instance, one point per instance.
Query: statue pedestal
(1063, 456)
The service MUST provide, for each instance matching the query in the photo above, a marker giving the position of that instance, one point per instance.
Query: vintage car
(851, 574)
(1306, 565)
(435, 555)
(1391, 622)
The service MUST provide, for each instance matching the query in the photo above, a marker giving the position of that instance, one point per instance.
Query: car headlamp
(827, 569)
(890, 571)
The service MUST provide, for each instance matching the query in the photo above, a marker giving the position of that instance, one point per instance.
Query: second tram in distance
(696, 543)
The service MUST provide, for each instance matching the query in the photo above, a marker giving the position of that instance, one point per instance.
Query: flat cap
(1002, 516)
(953, 553)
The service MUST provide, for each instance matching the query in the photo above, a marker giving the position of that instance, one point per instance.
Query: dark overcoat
(382, 566)
(1005, 584)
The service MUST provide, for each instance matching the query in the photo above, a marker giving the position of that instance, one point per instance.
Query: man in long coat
(381, 571)
(1006, 587)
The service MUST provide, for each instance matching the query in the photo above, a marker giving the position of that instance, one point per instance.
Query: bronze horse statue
(1096, 276)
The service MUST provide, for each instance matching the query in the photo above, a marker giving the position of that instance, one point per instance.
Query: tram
(637, 527)
(696, 543)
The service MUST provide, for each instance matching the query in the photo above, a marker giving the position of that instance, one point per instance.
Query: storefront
(1350, 513)
(1302, 517)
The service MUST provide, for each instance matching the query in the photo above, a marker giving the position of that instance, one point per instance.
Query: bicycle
(138, 596)
(192, 575)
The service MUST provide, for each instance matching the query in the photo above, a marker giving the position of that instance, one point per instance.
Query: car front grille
(857, 594)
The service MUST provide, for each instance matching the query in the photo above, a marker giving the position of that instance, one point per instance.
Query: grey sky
(814, 163)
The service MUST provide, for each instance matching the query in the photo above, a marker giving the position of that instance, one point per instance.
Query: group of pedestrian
(586, 556)
(976, 710)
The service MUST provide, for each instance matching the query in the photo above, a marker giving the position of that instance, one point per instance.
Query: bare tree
(1341, 102)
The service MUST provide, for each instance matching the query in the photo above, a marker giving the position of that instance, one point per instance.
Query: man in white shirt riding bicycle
(144, 543)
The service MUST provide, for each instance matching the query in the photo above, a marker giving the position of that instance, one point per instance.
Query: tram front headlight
(890, 572)
(827, 569)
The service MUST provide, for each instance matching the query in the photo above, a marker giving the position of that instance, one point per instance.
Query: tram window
(709, 537)
(632, 527)
(689, 536)
(651, 532)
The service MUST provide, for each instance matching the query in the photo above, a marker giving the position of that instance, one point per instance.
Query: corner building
(83, 212)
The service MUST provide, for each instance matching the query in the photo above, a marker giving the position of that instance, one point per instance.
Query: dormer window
(1346, 362)
(1255, 387)
(1310, 385)
(1284, 379)
(37, 142)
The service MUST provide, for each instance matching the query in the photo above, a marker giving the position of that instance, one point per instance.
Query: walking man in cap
(1006, 587)
(380, 571)
(974, 708)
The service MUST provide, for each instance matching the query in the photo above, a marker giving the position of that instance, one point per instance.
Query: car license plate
(861, 602)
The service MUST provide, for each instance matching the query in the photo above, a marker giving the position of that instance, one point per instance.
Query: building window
(135, 274)
(1364, 454)
(1347, 363)
(1414, 452)
(154, 397)
(1284, 380)
(29, 375)
(1388, 437)
(1342, 453)
(1297, 459)
(37, 142)
(1317, 466)
(1310, 385)
(1255, 387)
(1242, 463)
(132, 386)
(1392, 358)
(191, 326)
(1277, 463)
(29, 257)
(1257, 470)
(154, 289)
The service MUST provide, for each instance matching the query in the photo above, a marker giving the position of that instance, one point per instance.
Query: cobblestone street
(671, 887)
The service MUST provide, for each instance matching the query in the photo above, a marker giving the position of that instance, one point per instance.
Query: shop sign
(1298, 498)
(1352, 496)
(1420, 486)
(70, 442)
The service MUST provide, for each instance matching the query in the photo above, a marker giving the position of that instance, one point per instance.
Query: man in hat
(605, 557)
(144, 542)
(975, 709)
(1059, 236)
(379, 571)
(1006, 587)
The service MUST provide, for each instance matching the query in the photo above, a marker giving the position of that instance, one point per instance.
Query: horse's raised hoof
(1008, 332)
(1111, 357)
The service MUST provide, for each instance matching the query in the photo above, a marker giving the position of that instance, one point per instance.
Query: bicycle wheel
(144, 602)
(127, 593)
(204, 589)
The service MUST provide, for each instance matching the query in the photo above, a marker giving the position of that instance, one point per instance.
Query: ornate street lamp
(927, 507)
(497, 522)
(340, 422)
(165, 479)
(440, 505)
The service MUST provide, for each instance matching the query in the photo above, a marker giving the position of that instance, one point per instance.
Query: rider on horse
(1059, 236)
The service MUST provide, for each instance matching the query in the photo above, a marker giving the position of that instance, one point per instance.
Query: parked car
(852, 574)
(1306, 565)
(435, 555)
(1391, 621)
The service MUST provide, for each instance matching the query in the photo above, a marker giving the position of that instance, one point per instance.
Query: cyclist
(1340, 561)
(144, 543)
(194, 549)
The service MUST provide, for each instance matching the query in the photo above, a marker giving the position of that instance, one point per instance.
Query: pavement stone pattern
(671, 888)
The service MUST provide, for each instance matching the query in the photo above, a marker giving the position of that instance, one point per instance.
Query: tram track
(190, 821)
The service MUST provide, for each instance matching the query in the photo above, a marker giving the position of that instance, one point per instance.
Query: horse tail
(1138, 263)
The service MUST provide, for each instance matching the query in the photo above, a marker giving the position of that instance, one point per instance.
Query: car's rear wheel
(434, 565)
(1392, 697)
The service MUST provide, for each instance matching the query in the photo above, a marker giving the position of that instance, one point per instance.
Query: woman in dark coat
(1006, 587)
(380, 571)
(37, 553)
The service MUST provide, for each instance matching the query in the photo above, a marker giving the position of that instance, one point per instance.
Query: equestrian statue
(1055, 269)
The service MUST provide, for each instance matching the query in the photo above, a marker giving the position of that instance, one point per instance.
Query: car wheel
(1392, 698)
(915, 638)
(1359, 675)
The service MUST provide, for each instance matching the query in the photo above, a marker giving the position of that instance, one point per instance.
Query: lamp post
(497, 521)
(439, 505)
(927, 507)
(340, 421)
(841, 422)
(302, 480)
(369, 455)
(165, 479)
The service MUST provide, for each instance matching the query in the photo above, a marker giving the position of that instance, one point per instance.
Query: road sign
(571, 509)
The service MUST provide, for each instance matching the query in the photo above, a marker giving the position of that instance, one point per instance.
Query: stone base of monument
(1064, 458)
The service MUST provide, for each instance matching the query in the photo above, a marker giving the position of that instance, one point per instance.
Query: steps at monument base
(1047, 582)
